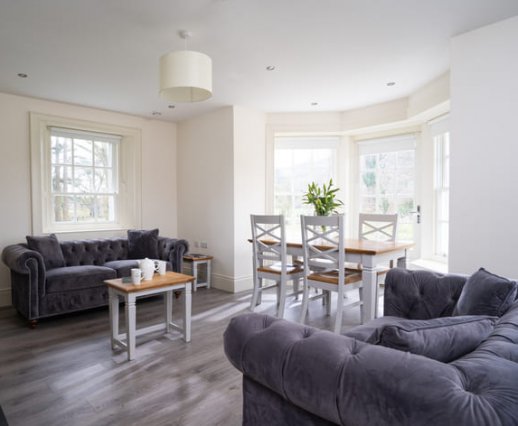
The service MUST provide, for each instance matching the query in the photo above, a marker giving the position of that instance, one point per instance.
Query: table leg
(370, 291)
(195, 274)
(187, 312)
(131, 320)
(114, 316)
(168, 314)
(402, 261)
(209, 267)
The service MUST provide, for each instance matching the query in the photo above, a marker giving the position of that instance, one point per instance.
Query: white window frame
(129, 200)
(440, 160)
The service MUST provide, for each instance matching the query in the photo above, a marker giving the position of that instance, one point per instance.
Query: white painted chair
(270, 260)
(377, 227)
(324, 260)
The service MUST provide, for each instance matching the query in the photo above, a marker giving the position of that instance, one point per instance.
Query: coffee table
(165, 284)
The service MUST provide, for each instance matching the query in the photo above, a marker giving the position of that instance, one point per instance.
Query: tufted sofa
(38, 291)
(298, 375)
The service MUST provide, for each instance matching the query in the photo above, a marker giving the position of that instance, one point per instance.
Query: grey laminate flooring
(65, 373)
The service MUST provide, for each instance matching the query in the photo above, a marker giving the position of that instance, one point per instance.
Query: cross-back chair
(324, 260)
(270, 260)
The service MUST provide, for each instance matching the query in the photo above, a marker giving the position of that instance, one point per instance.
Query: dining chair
(377, 227)
(270, 260)
(324, 259)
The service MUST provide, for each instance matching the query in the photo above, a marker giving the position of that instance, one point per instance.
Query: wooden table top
(170, 278)
(367, 247)
(192, 257)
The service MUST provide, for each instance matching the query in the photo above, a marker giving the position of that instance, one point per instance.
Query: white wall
(249, 187)
(206, 189)
(484, 150)
(159, 205)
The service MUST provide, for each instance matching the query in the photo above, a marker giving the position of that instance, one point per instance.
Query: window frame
(129, 200)
(440, 159)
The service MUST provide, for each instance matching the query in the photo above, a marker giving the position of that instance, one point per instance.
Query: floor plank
(65, 373)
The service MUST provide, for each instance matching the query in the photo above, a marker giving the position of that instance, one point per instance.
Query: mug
(136, 276)
(161, 267)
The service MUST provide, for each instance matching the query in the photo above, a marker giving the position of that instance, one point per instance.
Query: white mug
(161, 267)
(136, 276)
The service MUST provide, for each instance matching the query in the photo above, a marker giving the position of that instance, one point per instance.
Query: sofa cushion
(486, 294)
(142, 244)
(48, 246)
(77, 277)
(443, 339)
(123, 267)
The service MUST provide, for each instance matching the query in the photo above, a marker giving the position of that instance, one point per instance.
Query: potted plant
(322, 198)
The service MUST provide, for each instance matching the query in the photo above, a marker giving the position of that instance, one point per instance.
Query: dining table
(368, 254)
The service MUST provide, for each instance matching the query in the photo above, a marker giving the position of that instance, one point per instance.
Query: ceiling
(337, 53)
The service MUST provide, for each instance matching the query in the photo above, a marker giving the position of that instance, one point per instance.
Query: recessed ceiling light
(171, 106)
(156, 114)
(314, 103)
(22, 75)
(270, 68)
(391, 83)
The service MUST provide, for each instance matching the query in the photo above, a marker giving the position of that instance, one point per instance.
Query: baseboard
(5, 297)
(231, 284)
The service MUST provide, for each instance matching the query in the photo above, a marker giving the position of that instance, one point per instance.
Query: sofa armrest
(421, 294)
(27, 278)
(172, 250)
(348, 382)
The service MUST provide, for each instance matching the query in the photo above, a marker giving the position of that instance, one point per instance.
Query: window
(84, 171)
(387, 180)
(85, 176)
(441, 193)
(298, 161)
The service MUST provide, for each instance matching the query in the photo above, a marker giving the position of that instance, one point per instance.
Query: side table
(196, 260)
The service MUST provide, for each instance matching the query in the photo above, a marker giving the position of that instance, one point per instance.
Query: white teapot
(147, 266)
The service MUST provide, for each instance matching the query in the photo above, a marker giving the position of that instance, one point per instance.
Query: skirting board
(231, 284)
(5, 297)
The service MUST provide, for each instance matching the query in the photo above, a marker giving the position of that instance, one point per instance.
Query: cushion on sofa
(77, 277)
(48, 246)
(486, 294)
(443, 339)
(123, 267)
(142, 244)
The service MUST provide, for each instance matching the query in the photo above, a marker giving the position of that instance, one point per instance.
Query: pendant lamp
(185, 75)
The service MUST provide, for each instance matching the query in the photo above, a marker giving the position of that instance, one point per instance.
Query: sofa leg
(33, 324)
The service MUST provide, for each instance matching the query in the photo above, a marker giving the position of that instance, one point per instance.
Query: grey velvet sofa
(40, 290)
(298, 375)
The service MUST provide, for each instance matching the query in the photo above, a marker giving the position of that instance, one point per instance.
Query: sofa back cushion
(486, 294)
(48, 246)
(142, 244)
(94, 252)
(421, 294)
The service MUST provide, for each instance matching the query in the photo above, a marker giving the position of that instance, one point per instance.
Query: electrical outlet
(196, 244)
(203, 244)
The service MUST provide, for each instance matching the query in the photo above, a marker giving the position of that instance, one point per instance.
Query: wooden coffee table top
(170, 278)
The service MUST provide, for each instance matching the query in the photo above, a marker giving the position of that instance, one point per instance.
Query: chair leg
(360, 291)
(327, 298)
(281, 291)
(255, 296)
(339, 310)
(305, 301)
(296, 289)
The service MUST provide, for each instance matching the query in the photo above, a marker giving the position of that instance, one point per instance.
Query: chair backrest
(378, 227)
(269, 241)
(323, 243)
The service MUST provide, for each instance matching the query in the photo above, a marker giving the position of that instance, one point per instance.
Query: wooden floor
(65, 373)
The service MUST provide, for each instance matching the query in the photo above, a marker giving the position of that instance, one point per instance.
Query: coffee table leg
(114, 316)
(187, 312)
(130, 325)
(168, 306)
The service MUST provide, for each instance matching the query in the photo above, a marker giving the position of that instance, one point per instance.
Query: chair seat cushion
(77, 277)
(276, 268)
(443, 339)
(486, 294)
